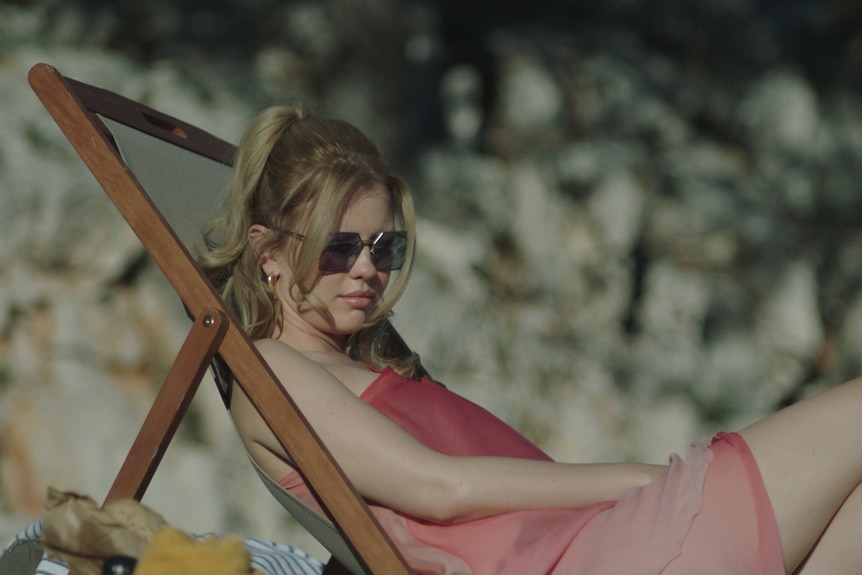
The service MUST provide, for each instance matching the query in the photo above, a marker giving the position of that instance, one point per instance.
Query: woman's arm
(389, 466)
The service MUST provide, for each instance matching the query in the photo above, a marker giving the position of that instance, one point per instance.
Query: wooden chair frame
(78, 108)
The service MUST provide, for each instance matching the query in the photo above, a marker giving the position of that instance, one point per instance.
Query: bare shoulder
(274, 349)
(307, 383)
(294, 368)
(287, 363)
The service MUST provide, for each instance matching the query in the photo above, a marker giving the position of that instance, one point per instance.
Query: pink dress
(707, 515)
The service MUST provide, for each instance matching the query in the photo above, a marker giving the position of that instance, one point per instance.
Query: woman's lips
(358, 300)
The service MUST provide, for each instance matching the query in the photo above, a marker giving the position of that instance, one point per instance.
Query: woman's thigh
(838, 551)
(810, 459)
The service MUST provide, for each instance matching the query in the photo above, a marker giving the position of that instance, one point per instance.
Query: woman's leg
(810, 457)
(839, 550)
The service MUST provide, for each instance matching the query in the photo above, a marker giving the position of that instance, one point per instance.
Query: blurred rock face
(620, 251)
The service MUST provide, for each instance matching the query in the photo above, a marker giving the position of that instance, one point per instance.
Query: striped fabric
(267, 557)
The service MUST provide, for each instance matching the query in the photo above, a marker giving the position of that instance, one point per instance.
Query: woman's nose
(363, 266)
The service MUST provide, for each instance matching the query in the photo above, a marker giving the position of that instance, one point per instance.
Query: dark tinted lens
(340, 253)
(389, 250)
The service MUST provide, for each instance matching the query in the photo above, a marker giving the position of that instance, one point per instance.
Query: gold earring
(271, 282)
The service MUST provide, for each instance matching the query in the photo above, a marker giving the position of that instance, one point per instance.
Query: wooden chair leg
(169, 406)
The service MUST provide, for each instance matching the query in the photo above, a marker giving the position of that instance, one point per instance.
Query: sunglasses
(388, 250)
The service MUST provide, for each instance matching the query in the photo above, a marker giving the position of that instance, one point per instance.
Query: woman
(314, 227)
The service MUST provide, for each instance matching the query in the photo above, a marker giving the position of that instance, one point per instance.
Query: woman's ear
(265, 258)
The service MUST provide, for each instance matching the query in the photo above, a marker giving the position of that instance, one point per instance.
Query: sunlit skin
(808, 454)
(348, 296)
(308, 357)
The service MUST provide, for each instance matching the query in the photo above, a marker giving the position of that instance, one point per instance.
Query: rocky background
(639, 219)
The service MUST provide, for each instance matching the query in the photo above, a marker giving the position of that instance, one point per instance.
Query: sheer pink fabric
(700, 517)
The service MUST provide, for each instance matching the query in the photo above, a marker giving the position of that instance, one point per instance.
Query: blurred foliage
(325, 46)
(823, 36)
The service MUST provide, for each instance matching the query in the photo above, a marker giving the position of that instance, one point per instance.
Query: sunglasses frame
(357, 245)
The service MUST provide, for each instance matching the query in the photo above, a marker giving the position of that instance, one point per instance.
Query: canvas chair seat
(165, 176)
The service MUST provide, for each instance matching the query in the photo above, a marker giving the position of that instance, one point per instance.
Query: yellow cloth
(173, 552)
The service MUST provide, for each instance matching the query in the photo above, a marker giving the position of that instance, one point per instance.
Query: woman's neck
(305, 339)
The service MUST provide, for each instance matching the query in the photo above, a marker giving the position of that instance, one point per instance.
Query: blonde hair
(295, 171)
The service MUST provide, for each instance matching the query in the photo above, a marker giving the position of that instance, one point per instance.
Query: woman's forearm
(485, 486)
(389, 466)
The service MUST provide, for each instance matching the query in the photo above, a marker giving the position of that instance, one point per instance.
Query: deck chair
(164, 175)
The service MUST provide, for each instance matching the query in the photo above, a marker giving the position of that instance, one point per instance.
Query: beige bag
(80, 534)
